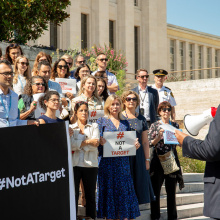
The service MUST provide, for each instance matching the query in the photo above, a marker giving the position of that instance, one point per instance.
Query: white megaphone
(193, 124)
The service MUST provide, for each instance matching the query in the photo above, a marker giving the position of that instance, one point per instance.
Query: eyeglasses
(102, 60)
(81, 62)
(39, 84)
(62, 66)
(40, 60)
(70, 64)
(7, 74)
(166, 109)
(128, 99)
(55, 100)
(24, 63)
(145, 76)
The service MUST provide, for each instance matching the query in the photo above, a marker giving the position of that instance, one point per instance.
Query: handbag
(168, 162)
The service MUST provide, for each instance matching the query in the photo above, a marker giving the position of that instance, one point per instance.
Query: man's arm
(113, 88)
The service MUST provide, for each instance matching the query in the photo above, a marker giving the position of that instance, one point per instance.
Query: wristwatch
(147, 160)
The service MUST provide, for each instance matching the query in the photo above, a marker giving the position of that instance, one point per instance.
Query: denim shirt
(13, 114)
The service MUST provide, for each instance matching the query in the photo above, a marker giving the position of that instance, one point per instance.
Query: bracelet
(147, 160)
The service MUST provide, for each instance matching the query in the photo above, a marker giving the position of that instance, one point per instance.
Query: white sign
(40, 111)
(119, 143)
(67, 85)
(94, 115)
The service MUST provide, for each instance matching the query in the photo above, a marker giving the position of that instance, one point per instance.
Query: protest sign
(36, 175)
(67, 85)
(170, 138)
(40, 111)
(94, 115)
(119, 143)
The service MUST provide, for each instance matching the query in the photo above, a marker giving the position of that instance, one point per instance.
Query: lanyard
(6, 111)
(21, 83)
(164, 123)
(142, 100)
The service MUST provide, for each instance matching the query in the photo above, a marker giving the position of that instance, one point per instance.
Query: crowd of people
(123, 182)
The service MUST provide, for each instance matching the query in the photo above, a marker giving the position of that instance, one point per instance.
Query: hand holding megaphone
(193, 124)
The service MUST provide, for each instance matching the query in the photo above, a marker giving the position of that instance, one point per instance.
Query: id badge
(141, 111)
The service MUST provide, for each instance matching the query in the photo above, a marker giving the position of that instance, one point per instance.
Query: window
(172, 55)
(191, 60)
(136, 48)
(200, 61)
(135, 2)
(217, 71)
(53, 34)
(181, 51)
(209, 62)
(84, 31)
(111, 34)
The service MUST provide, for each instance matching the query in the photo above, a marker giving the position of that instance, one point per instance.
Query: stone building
(140, 29)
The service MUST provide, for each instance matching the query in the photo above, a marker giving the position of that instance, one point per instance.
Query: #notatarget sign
(119, 143)
(94, 115)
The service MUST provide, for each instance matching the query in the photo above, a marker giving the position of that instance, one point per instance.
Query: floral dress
(117, 198)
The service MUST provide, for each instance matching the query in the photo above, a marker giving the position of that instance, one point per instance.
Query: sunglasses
(128, 99)
(81, 61)
(145, 76)
(166, 109)
(70, 64)
(55, 100)
(7, 74)
(24, 63)
(39, 84)
(13, 45)
(61, 66)
(102, 60)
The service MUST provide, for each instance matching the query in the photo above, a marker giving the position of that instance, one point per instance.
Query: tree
(23, 20)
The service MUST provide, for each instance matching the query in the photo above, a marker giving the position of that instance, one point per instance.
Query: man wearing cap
(149, 98)
(165, 93)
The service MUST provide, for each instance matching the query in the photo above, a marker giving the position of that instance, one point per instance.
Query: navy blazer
(153, 102)
(209, 151)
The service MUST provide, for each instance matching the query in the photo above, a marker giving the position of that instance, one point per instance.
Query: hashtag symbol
(2, 183)
(120, 135)
(93, 113)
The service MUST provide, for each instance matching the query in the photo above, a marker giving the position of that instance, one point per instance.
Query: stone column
(125, 32)
(100, 22)
(186, 48)
(177, 58)
(204, 62)
(213, 62)
(195, 56)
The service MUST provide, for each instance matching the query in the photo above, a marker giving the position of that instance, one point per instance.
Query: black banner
(34, 173)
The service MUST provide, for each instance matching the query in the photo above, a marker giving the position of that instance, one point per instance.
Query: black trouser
(170, 184)
(89, 177)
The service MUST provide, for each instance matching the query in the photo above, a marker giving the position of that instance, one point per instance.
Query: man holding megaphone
(209, 151)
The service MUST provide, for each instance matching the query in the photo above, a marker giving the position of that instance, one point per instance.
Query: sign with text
(94, 115)
(170, 138)
(40, 111)
(119, 143)
(67, 85)
(36, 174)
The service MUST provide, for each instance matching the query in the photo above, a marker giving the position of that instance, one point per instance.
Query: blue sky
(200, 15)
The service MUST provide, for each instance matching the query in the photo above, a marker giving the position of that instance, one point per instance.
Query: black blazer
(153, 102)
(209, 151)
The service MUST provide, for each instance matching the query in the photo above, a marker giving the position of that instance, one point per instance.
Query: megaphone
(193, 124)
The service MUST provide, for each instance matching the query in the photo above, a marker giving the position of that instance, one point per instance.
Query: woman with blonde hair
(40, 57)
(139, 164)
(22, 74)
(88, 93)
(117, 198)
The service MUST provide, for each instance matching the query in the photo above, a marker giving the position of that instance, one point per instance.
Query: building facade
(137, 27)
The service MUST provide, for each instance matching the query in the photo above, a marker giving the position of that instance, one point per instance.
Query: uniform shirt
(13, 114)
(165, 94)
(144, 102)
(111, 78)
